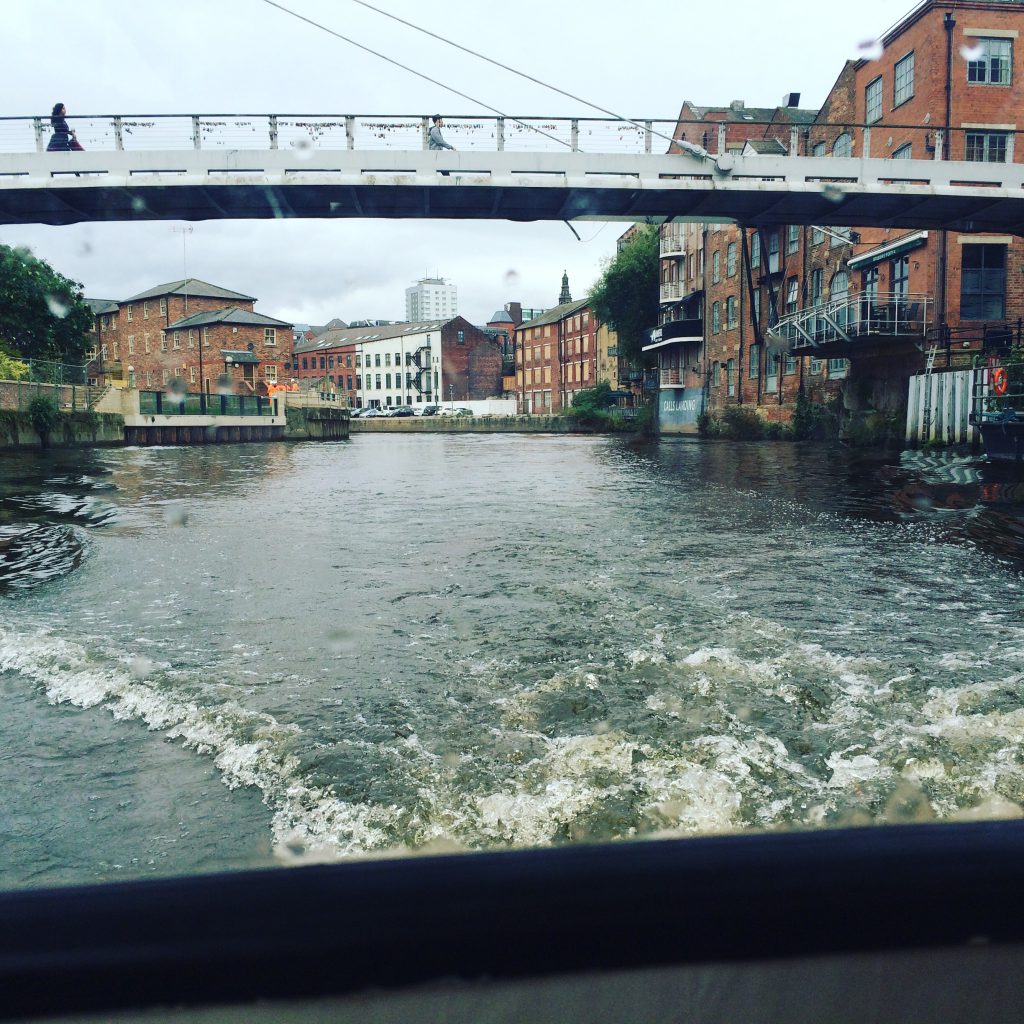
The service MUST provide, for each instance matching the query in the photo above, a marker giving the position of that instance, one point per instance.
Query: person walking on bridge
(63, 138)
(436, 139)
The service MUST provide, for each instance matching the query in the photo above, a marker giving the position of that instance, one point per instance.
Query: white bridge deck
(234, 177)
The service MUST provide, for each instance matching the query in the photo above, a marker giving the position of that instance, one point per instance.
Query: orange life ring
(999, 380)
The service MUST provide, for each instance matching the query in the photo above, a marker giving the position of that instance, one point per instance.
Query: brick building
(764, 316)
(193, 331)
(403, 364)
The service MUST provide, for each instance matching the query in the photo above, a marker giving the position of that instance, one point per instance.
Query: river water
(250, 655)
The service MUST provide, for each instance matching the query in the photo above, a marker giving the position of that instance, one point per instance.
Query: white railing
(853, 318)
(301, 133)
(672, 291)
(672, 245)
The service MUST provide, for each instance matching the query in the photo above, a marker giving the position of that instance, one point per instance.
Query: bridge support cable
(413, 71)
(523, 74)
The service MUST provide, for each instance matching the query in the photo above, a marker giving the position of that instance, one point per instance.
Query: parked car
(429, 410)
(463, 411)
(356, 413)
(401, 410)
(371, 413)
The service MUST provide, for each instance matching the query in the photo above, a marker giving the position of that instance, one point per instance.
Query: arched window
(843, 146)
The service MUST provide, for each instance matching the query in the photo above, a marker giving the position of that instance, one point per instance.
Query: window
(773, 253)
(103, 352)
(815, 365)
(368, 382)
(792, 295)
(843, 146)
(269, 335)
(206, 337)
(131, 344)
(270, 374)
(387, 380)
(837, 367)
(129, 314)
(376, 359)
(330, 362)
(817, 235)
(730, 260)
(191, 338)
(191, 369)
(730, 311)
(755, 306)
(163, 341)
(792, 239)
(992, 63)
(755, 249)
(165, 375)
(176, 340)
(986, 147)
(790, 363)
(771, 369)
(398, 359)
(387, 358)
(377, 381)
(163, 307)
(716, 318)
(716, 271)
(983, 282)
(117, 355)
(819, 149)
(145, 344)
(753, 359)
(903, 83)
(903, 153)
(323, 363)
(716, 374)
(873, 101)
(730, 376)
(145, 311)
(359, 361)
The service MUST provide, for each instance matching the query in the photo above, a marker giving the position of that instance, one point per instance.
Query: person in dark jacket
(435, 138)
(63, 136)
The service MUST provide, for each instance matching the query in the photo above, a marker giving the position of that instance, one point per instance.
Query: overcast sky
(640, 58)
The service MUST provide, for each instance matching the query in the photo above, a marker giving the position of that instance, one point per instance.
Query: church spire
(565, 296)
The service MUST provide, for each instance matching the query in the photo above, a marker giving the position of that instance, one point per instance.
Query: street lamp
(451, 396)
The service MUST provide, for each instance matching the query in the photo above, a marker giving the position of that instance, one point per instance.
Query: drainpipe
(948, 23)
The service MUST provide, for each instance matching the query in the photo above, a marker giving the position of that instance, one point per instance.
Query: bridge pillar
(273, 131)
(501, 134)
(37, 123)
(350, 131)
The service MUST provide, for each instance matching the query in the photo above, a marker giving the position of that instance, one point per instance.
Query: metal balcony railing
(672, 245)
(672, 291)
(851, 320)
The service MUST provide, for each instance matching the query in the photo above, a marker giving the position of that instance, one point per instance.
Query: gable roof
(99, 306)
(191, 287)
(230, 315)
(555, 314)
(336, 337)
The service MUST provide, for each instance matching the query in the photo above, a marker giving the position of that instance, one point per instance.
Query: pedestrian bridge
(237, 167)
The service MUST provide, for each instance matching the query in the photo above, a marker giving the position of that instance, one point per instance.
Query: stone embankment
(463, 425)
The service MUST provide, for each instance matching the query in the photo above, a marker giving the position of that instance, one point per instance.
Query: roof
(766, 147)
(192, 287)
(338, 337)
(501, 317)
(235, 355)
(99, 306)
(552, 316)
(230, 315)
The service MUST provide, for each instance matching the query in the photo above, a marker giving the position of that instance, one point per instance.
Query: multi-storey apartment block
(762, 317)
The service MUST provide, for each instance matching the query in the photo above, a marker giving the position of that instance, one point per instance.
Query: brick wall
(470, 362)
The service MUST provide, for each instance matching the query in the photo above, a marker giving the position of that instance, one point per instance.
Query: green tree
(42, 314)
(626, 296)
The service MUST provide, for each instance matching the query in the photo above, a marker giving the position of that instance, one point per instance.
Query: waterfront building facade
(415, 364)
(431, 298)
(838, 313)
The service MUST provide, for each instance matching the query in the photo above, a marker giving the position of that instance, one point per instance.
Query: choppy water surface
(247, 655)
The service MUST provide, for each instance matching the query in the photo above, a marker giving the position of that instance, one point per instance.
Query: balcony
(672, 246)
(672, 291)
(690, 329)
(854, 324)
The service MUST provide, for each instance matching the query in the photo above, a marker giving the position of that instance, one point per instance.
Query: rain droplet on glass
(869, 49)
(141, 667)
(225, 385)
(175, 514)
(832, 192)
(57, 306)
(303, 148)
(975, 52)
(511, 278)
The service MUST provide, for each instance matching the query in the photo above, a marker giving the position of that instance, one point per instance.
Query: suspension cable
(514, 71)
(413, 71)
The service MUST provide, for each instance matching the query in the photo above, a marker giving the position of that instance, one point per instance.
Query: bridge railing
(304, 134)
